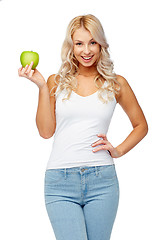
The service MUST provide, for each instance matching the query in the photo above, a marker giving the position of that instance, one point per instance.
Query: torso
(86, 86)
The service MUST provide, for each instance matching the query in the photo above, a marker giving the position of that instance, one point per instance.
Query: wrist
(119, 151)
(43, 86)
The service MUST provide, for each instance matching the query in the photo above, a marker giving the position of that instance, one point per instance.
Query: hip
(81, 182)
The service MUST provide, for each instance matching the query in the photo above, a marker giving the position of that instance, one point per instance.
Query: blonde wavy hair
(66, 76)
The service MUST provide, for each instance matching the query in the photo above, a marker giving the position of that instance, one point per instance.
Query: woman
(81, 184)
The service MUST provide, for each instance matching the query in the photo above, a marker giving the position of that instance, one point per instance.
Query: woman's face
(85, 49)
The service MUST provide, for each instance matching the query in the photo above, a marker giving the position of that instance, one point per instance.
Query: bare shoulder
(51, 82)
(121, 79)
(124, 86)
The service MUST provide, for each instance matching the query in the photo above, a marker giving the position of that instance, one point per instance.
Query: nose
(86, 49)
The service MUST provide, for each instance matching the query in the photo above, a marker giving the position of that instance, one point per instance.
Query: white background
(132, 31)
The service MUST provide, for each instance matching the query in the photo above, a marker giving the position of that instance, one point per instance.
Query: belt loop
(65, 173)
(96, 171)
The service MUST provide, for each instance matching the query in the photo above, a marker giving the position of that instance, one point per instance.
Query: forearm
(133, 139)
(44, 119)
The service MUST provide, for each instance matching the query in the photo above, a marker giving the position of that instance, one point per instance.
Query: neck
(87, 71)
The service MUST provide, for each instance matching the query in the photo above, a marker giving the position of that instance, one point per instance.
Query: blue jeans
(82, 202)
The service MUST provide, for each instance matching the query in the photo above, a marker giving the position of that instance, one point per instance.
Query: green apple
(27, 57)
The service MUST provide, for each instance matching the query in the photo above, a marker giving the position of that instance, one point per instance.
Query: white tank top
(78, 121)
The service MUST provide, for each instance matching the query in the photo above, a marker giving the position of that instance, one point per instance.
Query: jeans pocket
(53, 176)
(108, 172)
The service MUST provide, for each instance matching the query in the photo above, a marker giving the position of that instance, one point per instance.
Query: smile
(87, 58)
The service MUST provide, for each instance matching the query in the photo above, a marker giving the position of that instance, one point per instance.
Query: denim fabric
(82, 202)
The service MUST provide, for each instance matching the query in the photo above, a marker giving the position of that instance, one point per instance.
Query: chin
(88, 64)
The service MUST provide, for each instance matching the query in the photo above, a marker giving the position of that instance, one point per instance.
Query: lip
(87, 60)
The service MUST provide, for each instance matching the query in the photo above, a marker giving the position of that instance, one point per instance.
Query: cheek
(97, 50)
(76, 51)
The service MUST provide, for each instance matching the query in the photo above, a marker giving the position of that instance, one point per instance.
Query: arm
(45, 117)
(130, 105)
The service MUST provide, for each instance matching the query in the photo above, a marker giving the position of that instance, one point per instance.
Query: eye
(78, 44)
(93, 43)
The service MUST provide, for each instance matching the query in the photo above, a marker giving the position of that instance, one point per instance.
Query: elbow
(46, 134)
(145, 129)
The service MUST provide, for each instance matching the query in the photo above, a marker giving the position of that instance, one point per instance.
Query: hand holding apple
(33, 75)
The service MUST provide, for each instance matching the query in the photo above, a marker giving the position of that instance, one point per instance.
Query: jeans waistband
(86, 169)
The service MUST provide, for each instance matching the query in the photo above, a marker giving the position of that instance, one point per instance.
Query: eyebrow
(81, 41)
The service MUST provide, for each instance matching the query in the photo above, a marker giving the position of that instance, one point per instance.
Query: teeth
(87, 58)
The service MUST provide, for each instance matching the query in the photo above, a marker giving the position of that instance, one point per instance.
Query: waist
(82, 169)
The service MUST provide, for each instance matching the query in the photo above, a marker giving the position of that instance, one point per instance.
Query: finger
(24, 69)
(102, 135)
(98, 142)
(103, 147)
(30, 67)
(31, 73)
(100, 148)
(19, 70)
